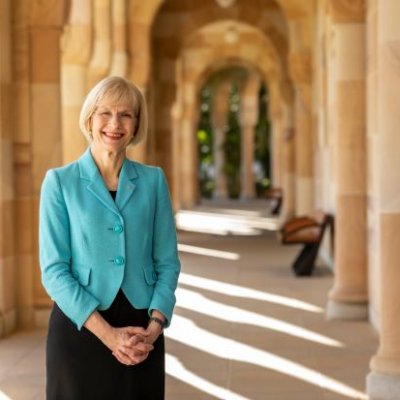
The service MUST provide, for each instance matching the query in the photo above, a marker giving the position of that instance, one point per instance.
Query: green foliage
(232, 145)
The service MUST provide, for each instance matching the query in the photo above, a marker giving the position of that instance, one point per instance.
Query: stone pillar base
(346, 311)
(382, 386)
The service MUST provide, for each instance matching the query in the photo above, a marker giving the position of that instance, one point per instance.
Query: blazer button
(119, 260)
(118, 228)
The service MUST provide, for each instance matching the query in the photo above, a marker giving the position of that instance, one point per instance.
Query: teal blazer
(91, 246)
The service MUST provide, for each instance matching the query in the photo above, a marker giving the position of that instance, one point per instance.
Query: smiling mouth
(113, 136)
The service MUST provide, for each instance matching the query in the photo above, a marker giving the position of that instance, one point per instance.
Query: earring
(90, 135)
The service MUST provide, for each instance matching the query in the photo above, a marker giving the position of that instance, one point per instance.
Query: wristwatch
(158, 320)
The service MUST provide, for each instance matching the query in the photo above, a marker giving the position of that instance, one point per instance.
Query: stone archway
(257, 56)
(169, 39)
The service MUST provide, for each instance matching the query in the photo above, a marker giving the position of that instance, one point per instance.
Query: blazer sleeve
(165, 252)
(55, 254)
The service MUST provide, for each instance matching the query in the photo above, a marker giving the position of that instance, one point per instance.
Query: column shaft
(248, 120)
(348, 298)
(384, 380)
(300, 64)
(75, 58)
(219, 120)
(304, 152)
(288, 163)
(247, 176)
(7, 197)
(101, 57)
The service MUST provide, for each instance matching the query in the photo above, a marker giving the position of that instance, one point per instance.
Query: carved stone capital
(346, 10)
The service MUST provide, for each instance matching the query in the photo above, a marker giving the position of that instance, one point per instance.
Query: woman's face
(113, 126)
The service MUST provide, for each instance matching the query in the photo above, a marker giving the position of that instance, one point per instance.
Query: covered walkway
(244, 328)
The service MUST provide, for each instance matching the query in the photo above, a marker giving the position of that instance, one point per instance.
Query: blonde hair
(115, 90)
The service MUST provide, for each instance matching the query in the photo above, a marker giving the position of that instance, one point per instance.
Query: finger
(136, 330)
(123, 358)
(129, 360)
(134, 355)
(144, 347)
(137, 341)
(138, 348)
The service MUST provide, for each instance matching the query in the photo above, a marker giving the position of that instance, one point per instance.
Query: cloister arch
(261, 41)
(256, 54)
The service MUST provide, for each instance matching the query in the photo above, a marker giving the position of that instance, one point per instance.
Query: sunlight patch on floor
(178, 371)
(203, 251)
(244, 292)
(196, 302)
(183, 330)
(220, 224)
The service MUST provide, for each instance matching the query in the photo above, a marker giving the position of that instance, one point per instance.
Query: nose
(114, 120)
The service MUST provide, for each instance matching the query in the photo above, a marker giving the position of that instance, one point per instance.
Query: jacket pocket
(150, 275)
(82, 274)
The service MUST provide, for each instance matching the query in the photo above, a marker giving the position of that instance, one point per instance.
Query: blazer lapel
(126, 184)
(89, 172)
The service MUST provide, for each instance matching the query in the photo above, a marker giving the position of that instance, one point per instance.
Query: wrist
(156, 321)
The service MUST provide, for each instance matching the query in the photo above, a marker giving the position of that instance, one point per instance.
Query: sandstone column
(301, 74)
(37, 139)
(288, 164)
(219, 119)
(119, 61)
(348, 297)
(100, 62)
(248, 120)
(276, 126)
(276, 117)
(7, 197)
(383, 382)
(189, 188)
(77, 40)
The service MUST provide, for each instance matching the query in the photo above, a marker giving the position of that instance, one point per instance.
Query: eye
(126, 115)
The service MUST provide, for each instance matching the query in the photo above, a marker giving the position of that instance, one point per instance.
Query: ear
(89, 124)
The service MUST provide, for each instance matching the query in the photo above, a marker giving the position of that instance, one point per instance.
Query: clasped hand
(132, 345)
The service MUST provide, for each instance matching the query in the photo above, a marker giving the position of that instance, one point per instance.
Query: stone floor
(244, 328)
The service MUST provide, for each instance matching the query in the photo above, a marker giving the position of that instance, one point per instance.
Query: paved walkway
(244, 328)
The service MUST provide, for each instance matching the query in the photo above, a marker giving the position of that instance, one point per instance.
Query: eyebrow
(105, 108)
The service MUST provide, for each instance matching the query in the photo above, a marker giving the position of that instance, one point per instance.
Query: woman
(108, 255)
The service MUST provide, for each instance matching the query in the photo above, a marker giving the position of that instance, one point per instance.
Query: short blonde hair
(115, 90)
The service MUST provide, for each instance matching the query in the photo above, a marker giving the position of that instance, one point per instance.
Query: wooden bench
(276, 195)
(308, 231)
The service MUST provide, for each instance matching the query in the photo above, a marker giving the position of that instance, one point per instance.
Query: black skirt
(80, 367)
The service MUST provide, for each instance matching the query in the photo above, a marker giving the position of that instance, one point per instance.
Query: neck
(109, 165)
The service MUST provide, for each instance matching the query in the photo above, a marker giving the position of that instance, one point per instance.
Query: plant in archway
(262, 152)
(205, 146)
(232, 146)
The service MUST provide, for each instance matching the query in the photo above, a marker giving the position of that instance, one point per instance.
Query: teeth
(113, 135)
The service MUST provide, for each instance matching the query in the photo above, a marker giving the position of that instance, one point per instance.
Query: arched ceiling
(229, 43)
(178, 19)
